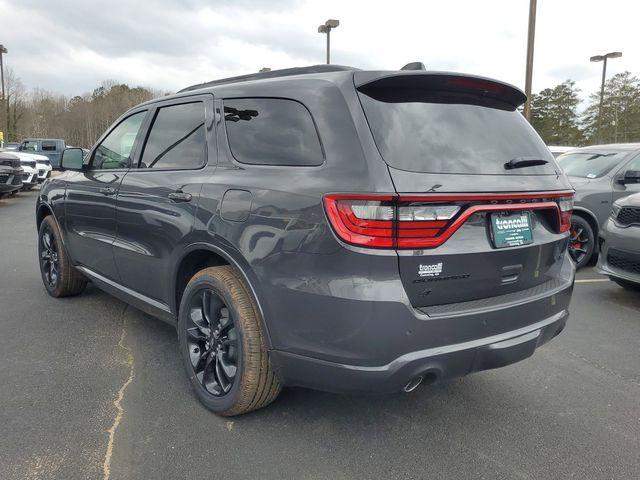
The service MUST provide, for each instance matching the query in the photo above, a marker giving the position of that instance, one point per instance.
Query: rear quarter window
(48, 146)
(272, 131)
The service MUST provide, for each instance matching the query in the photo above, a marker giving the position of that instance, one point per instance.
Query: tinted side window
(271, 131)
(177, 138)
(48, 146)
(115, 149)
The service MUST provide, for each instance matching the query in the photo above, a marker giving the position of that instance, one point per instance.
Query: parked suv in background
(620, 243)
(50, 147)
(30, 168)
(323, 227)
(38, 168)
(600, 174)
(10, 174)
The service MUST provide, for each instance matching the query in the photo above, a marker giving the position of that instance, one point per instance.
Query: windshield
(590, 164)
(452, 135)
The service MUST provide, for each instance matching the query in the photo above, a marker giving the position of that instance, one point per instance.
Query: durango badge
(433, 270)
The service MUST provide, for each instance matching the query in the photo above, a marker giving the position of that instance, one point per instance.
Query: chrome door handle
(180, 197)
(108, 191)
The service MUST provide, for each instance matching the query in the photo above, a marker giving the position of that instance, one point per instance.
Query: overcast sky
(71, 46)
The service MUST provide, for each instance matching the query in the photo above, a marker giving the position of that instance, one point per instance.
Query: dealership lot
(88, 379)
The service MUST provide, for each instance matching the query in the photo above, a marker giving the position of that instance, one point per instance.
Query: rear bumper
(433, 365)
(451, 342)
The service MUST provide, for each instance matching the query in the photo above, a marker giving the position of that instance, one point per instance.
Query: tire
(582, 241)
(27, 188)
(225, 352)
(59, 277)
(627, 285)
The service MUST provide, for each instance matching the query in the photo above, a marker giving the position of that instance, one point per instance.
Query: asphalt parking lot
(93, 389)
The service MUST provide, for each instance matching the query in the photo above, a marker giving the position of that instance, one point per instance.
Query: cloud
(71, 46)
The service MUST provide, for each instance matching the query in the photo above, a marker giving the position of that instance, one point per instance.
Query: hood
(629, 201)
(29, 156)
(9, 160)
(577, 182)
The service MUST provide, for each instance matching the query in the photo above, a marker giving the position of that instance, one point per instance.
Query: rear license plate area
(511, 229)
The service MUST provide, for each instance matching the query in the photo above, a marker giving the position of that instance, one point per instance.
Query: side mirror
(72, 159)
(630, 176)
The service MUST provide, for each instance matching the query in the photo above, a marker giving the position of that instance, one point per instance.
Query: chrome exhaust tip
(413, 384)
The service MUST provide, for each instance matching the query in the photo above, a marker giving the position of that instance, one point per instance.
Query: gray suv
(323, 227)
(620, 244)
(600, 175)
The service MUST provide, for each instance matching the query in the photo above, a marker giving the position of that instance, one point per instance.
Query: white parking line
(592, 280)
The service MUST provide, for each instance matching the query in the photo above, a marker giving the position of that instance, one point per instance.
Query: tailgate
(482, 209)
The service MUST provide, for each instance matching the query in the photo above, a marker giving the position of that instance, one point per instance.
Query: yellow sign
(1, 136)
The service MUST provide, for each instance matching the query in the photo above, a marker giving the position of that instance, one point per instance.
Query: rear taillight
(362, 220)
(392, 221)
(565, 204)
(420, 224)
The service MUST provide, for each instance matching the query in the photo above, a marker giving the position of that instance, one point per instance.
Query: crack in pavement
(117, 403)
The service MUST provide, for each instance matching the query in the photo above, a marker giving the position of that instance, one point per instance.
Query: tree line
(79, 120)
(555, 112)
(556, 115)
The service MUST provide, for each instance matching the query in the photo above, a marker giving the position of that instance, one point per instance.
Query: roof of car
(285, 79)
(311, 71)
(31, 139)
(609, 146)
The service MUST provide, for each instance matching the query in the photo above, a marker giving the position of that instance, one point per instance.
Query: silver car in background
(600, 175)
(620, 243)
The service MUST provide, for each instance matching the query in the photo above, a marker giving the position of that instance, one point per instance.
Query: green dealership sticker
(511, 230)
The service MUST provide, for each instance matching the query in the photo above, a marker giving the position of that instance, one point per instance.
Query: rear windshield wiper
(522, 162)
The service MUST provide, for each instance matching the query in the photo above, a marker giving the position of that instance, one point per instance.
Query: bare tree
(80, 120)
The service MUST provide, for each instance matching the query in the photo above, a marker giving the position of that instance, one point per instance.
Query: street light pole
(530, 43)
(328, 46)
(603, 59)
(326, 28)
(2, 50)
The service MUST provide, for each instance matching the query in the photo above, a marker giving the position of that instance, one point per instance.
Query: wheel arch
(43, 211)
(590, 218)
(202, 255)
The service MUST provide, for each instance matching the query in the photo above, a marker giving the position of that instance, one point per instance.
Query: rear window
(272, 131)
(422, 131)
(590, 164)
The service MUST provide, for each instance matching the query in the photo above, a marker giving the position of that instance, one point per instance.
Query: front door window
(115, 151)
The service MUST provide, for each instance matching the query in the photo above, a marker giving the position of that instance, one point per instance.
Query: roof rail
(286, 72)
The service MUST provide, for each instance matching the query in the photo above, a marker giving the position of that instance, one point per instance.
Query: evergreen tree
(554, 114)
(620, 111)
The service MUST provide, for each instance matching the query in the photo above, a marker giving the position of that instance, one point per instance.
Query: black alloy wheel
(223, 344)
(581, 241)
(49, 257)
(213, 344)
(59, 276)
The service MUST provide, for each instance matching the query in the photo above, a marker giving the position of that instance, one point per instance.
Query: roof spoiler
(377, 83)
